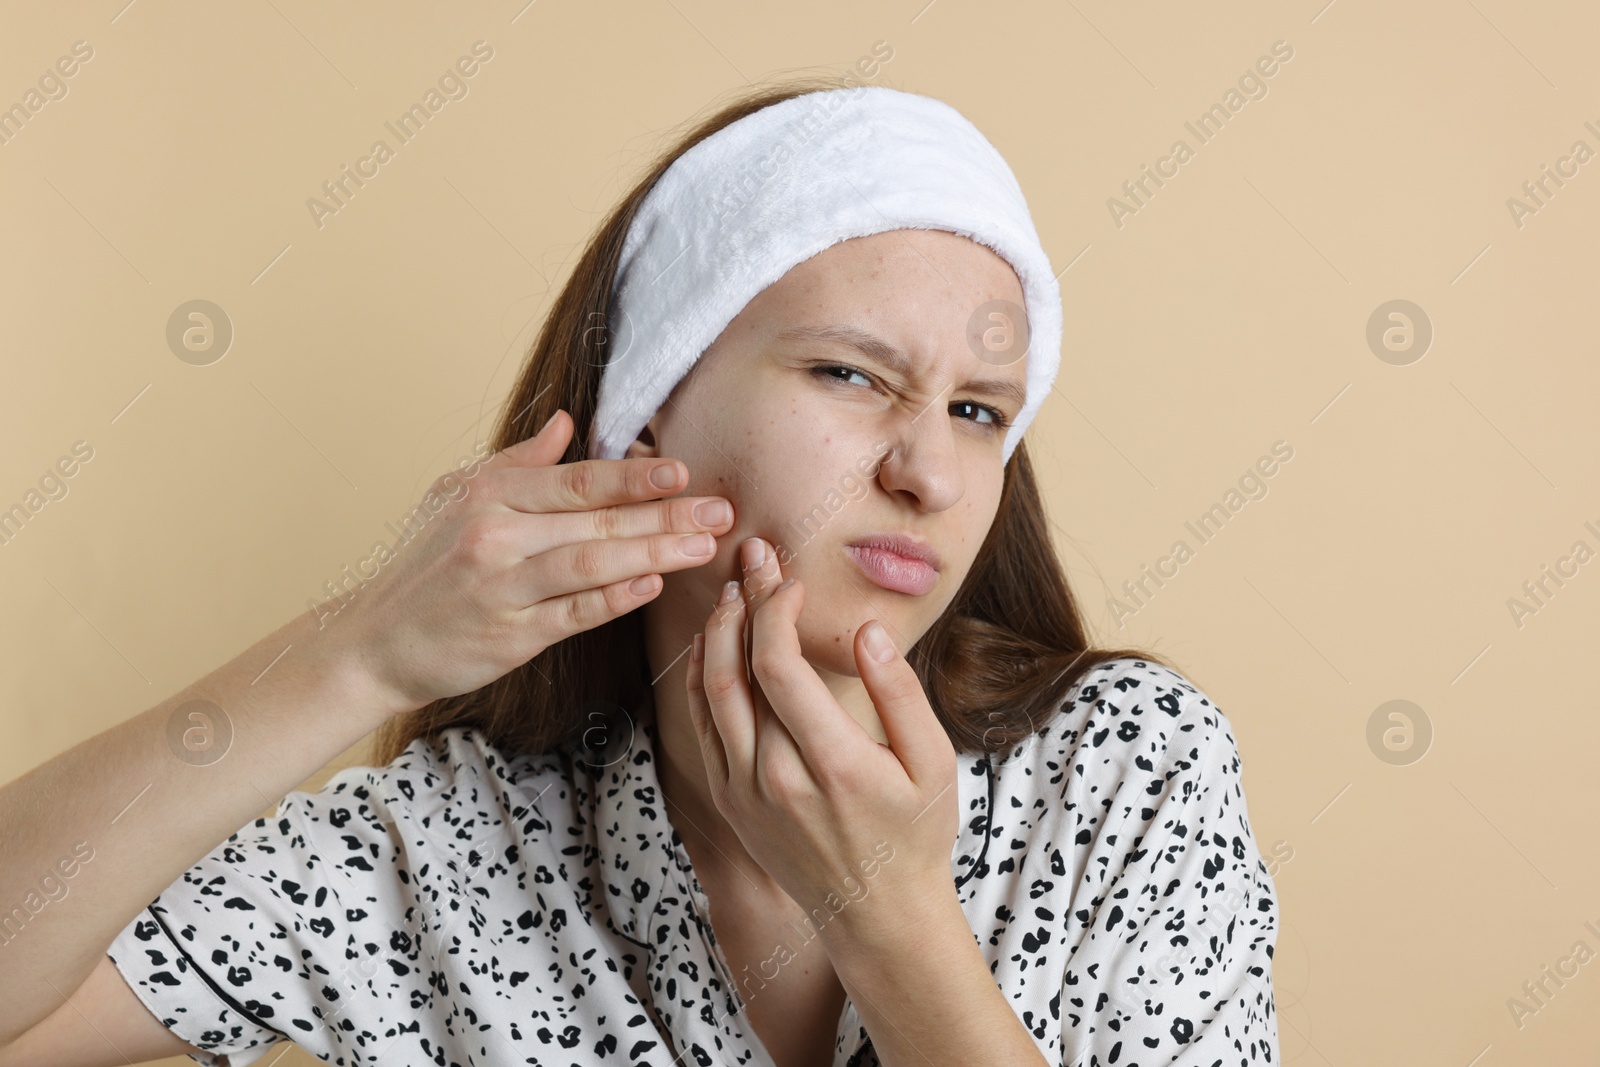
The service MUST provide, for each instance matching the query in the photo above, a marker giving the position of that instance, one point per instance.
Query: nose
(924, 461)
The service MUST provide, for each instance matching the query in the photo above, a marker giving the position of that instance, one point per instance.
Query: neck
(670, 623)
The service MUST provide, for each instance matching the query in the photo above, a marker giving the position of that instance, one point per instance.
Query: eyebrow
(895, 359)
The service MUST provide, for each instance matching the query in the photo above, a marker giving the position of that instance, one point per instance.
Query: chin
(832, 651)
(828, 623)
(837, 605)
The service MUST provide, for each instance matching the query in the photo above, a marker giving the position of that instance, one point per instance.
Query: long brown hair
(995, 665)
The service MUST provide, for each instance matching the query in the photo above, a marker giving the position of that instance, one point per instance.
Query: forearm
(925, 993)
(92, 836)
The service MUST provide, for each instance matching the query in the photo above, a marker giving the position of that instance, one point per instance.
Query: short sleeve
(1173, 918)
(278, 932)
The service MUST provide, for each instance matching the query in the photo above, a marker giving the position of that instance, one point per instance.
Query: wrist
(350, 670)
(906, 922)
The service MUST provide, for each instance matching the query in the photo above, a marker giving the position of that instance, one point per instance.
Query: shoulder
(1130, 727)
(454, 789)
(1138, 781)
(1125, 709)
(451, 762)
(346, 888)
(1168, 905)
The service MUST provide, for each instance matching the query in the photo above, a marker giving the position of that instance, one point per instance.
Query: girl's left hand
(815, 799)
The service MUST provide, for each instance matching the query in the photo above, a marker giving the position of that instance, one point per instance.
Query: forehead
(910, 261)
(927, 291)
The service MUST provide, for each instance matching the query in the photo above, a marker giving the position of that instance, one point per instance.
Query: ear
(644, 446)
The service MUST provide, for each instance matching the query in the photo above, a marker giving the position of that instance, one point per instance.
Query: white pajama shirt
(459, 906)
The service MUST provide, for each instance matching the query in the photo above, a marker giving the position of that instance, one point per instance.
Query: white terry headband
(732, 214)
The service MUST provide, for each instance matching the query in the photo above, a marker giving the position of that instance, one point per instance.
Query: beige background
(1228, 313)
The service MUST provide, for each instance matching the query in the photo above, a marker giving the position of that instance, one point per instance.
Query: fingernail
(547, 423)
(698, 652)
(664, 475)
(755, 553)
(730, 590)
(700, 544)
(711, 512)
(878, 644)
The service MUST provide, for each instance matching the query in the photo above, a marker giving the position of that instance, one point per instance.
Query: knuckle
(573, 615)
(588, 558)
(666, 551)
(831, 771)
(578, 481)
(491, 482)
(720, 683)
(607, 522)
(764, 664)
(479, 539)
(457, 491)
(452, 482)
(618, 601)
(780, 780)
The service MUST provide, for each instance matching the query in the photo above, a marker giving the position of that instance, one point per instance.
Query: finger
(916, 736)
(545, 531)
(761, 570)
(761, 573)
(586, 484)
(712, 750)
(543, 448)
(792, 689)
(727, 690)
(592, 564)
(557, 618)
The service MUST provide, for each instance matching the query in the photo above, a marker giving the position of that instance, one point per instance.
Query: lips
(901, 545)
(892, 571)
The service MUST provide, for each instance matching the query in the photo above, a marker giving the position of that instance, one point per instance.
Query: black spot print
(462, 905)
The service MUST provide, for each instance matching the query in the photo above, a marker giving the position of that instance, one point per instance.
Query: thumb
(545, 447)
(914, 733)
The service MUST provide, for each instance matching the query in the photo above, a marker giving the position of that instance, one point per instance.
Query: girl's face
(767, 419)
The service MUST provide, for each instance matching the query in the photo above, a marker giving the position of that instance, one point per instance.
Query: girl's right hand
(533, 552)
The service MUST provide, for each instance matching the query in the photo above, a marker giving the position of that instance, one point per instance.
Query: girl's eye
(829, 368)
(997, 419)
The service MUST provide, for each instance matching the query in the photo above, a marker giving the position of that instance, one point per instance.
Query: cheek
(977, 515)
(766, 453)
(776, 455)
